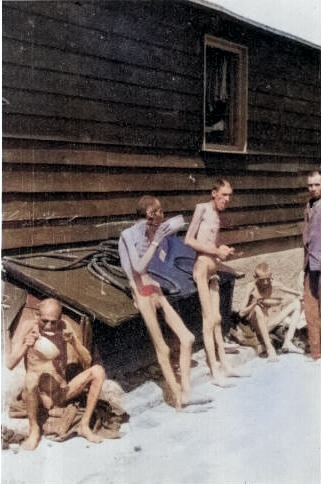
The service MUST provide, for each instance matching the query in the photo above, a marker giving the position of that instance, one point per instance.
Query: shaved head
(50, 306)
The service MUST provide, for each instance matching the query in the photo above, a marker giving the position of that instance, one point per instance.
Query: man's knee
(218, 323)
(188, 340)
(200, 275)
(209, 321)
(98, 372)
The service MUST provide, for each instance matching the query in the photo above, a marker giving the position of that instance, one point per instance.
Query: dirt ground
(264, 429)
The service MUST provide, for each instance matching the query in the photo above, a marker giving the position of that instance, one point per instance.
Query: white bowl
(46, 348)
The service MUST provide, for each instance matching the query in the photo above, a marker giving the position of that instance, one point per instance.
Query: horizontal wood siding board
(229, 220)
(35, 209)
(280, 81)
(37, 61)
(261, 216)
(23, 181)
(102, 42)
(98, 158)
(265, 92)
(263, 130)
(281, 102)
(95, 157)
(27, 85)
(301, 149)
(64, 235)
(257, 233)
(75, 130)
(283, 118)
(235, 221)
(121, 112)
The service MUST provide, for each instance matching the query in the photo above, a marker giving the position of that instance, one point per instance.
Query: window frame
(241, 96)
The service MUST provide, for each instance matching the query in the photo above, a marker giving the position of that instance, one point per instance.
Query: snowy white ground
(265, 429)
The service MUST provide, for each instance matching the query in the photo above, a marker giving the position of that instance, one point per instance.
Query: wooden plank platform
(77, 288)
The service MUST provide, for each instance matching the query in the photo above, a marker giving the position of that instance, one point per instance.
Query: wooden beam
(124, 205)
(98, 158)
(27, 237)
(22, 181)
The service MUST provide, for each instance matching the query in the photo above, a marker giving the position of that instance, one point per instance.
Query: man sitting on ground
(269, 304)
(43, 345)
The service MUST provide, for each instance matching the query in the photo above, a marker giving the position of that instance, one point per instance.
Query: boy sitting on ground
(270, 304)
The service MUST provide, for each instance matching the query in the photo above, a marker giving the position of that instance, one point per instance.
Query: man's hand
(31, 338)
(68, 335)
(162, 232)
(260, 302)
(224, 251)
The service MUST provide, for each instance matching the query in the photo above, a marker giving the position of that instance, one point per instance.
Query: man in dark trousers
(312, 263)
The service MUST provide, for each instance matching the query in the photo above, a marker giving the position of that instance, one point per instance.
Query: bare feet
(198, 401)
(220, 381)
(291, 348)
(85, 431)
(56, 412)
(32, 441)
(272, 356)
(236, 372)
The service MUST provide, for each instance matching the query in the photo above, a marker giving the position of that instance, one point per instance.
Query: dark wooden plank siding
(107, 106)
(71, 201)
(103, 102)
(113, 72)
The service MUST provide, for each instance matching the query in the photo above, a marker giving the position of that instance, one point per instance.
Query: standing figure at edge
(312, 263)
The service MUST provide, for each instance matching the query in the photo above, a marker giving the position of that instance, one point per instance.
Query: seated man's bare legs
(186, 339)
(148, 309)
(261, 322)
(93, 378)
(31, 397)
(293, 318)
(292, 313)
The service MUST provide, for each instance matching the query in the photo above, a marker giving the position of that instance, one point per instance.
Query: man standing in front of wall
(312, 263)
(202, 236)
